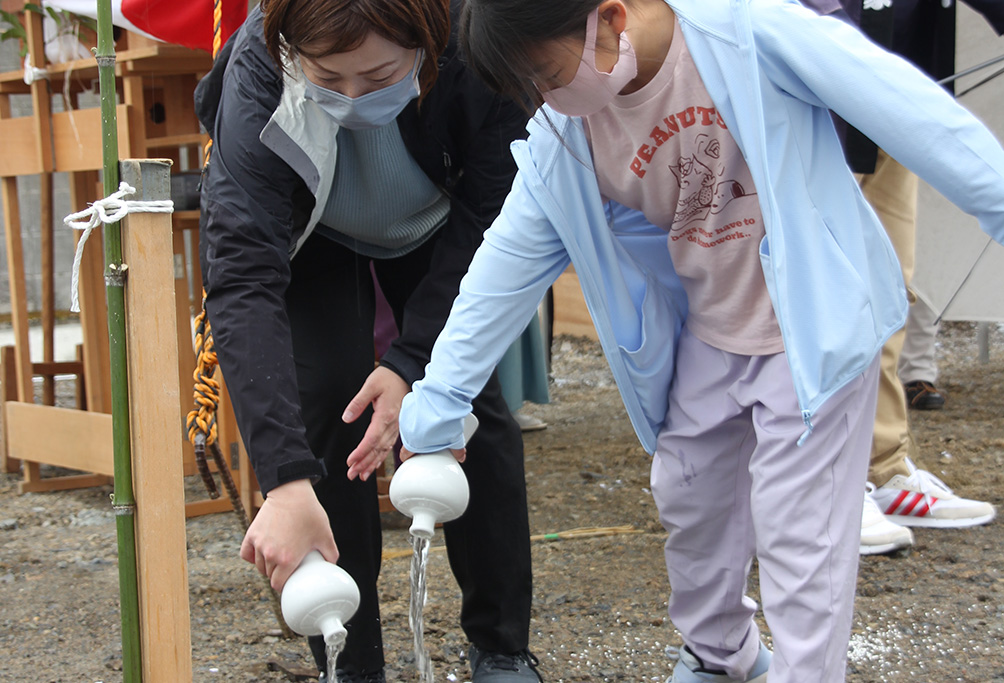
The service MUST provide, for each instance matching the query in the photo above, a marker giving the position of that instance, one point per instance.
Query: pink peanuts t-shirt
(665, 151)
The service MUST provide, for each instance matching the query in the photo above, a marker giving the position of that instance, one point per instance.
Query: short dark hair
(342, 25)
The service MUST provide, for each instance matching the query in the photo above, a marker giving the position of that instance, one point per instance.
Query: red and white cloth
(182, 22)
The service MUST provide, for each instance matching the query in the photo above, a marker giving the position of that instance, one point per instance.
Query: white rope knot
(33, 73)
(111, 209)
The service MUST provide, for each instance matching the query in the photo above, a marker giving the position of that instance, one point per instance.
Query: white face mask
(590, 90)
(372, 110)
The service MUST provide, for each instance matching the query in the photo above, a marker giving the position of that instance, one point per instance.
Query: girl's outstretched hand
(385, 390)
(289, 525)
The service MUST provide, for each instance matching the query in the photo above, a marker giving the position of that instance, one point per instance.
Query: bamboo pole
(122, 498)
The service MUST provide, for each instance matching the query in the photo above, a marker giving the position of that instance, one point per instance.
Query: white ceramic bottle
(318, 598)
(431, 487)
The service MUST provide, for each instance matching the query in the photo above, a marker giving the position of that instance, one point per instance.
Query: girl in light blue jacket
(684, 161)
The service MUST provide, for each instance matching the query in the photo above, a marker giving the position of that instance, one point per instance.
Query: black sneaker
(921, 395)
(498, 667)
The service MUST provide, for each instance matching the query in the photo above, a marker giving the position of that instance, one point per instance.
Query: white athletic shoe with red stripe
(922, 499)
(879, 535)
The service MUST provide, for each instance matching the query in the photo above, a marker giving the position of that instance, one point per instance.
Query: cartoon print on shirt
(697, 176)
(696, 183)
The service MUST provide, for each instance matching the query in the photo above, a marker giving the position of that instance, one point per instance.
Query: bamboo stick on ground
(570, 534)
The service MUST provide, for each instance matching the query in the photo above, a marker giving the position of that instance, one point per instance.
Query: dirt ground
(935, 613)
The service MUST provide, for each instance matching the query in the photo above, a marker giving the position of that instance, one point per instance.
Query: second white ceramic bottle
(431, 487)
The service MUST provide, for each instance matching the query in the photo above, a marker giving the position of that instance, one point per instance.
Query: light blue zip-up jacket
(774, 69)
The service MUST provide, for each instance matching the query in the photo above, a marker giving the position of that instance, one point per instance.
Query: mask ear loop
(592, 24)
(589, 47)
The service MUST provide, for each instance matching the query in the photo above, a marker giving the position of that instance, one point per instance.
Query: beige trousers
(892, 192)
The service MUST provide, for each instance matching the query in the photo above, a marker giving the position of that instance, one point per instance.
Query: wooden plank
(31, 475)
(209, 506)
(149, 59)
(20, 141)
(53, 368)
(174, 140)
(81, 389)
(76, 138)
(570, 313)
(93, 309)
(73, 481)
(8, 392)
(186, 353)
(247, 482)
(180, 105)
(41, 102)
(154, 58)
(155, 424)
(230, 440)
(16, 281)
(133, 145)
(12, 83)
(188, 220)
(63, 437)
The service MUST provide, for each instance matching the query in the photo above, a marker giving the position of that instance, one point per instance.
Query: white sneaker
(878, 534)
(529, 423)
(922, 499)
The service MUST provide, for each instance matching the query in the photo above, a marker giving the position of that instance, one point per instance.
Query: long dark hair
(497, 36)
(342, 25)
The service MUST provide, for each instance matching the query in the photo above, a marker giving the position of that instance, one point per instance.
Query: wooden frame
(571, 316)
(148, 73)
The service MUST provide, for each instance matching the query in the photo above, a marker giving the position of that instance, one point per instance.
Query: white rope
(32, 73)
(111, 209)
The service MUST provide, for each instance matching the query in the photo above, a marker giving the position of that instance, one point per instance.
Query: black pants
(330, 303)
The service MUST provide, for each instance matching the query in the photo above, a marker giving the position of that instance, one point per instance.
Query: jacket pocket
(823, 302)
(650, 366)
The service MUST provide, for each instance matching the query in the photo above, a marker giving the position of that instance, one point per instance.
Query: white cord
(111, 209)
(32, 73)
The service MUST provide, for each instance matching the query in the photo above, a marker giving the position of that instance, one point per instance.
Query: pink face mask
(590, 89)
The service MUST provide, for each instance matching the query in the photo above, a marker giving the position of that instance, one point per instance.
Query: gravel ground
(935, 613)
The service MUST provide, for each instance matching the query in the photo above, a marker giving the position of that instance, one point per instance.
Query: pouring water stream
(429, 488)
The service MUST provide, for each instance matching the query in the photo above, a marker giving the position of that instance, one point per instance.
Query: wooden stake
(156, 429)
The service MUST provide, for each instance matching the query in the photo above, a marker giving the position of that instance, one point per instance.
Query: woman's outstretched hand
(288, 525)
(385, 390)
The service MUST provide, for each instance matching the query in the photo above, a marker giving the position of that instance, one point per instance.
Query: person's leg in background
(892, 192)
(523, 373)
(906, 495)
(918, 367)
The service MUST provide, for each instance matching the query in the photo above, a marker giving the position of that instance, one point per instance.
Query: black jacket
(922, 31)
(255, 206)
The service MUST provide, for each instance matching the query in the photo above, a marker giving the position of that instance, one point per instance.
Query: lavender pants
(731, 483)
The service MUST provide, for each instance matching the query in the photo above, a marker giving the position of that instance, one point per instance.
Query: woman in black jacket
(348, 135)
